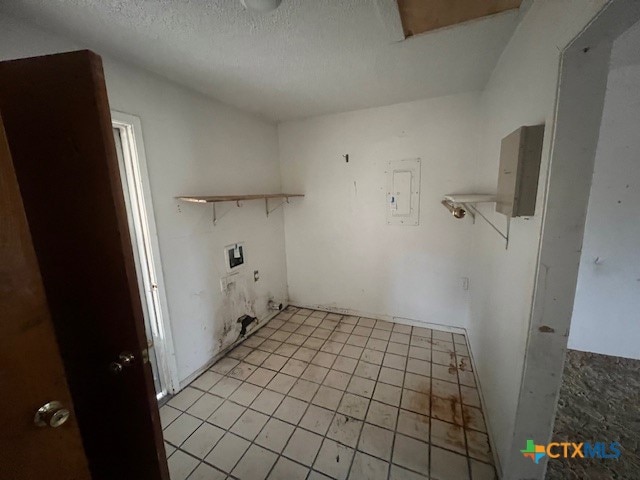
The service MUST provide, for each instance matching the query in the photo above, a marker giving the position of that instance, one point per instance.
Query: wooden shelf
(235, 198)
(213, 199)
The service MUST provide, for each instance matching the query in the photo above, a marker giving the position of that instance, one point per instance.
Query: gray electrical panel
(520, 156)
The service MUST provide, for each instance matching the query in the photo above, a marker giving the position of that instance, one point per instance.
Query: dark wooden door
(58, 126)
(31, 370)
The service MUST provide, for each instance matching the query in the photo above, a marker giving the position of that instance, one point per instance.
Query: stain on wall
(238, 299)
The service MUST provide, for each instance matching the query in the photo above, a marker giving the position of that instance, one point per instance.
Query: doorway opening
(127, 133)
(584, 72)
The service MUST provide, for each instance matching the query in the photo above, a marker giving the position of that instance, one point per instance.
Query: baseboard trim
(483, 403)
(389, 318)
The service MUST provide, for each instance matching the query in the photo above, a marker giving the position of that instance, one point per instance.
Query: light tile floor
(313, 395)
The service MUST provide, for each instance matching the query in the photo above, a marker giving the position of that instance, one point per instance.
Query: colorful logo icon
(533, 451)
(600, 450)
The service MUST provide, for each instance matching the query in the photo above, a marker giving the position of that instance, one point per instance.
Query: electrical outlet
(465, 283)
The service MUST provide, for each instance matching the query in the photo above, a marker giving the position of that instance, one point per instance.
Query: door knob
(125, 359)
(51, 414)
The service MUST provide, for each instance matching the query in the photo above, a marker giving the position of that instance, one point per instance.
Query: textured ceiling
(306, 58)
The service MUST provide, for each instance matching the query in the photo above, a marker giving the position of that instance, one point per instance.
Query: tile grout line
(364, 420)
(323, 436)
(309, 403)
(395, 430)
(228, 430)
(322, 384)
(270, 416)
(345, 391)
(280, 454)
(336, 413)
(295, 427)
(317, 350)
(464, 427)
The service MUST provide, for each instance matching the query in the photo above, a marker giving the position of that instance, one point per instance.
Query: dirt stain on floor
(473, 418)
(453, 368)
(452, 437)
(463, 365)
(446, 409)
(418, 403)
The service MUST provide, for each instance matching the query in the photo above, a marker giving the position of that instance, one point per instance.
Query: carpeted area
(599, 402)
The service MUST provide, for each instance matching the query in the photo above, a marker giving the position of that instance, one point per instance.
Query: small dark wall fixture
(245, 321)
(236, 256)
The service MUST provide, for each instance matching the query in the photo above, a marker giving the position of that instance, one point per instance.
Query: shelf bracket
(215, 217)
(505, 236)
(266, 205)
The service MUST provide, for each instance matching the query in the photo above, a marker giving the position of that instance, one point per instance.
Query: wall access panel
(403, 192)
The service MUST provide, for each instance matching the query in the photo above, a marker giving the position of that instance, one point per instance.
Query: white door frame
(144, 238)
(584, 71)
